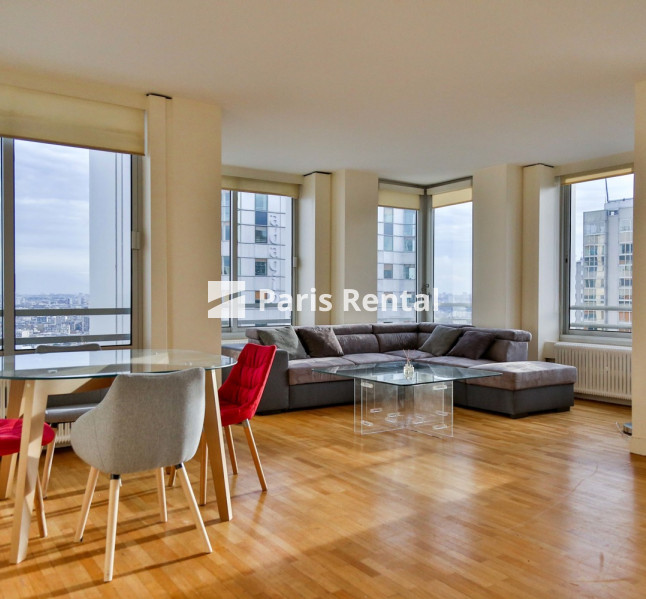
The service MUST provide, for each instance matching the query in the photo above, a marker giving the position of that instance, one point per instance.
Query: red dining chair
(10, 433)
(239, 397)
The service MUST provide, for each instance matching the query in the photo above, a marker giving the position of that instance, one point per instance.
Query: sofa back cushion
(392, 337)
(359, 343)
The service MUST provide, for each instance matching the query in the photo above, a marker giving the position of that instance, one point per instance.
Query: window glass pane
(261, 235)
(1, 251)
(225, 242)
(396, 264)
(264, 261)
(261, 202)
(452, 241)
(600, 278)
(73, 246)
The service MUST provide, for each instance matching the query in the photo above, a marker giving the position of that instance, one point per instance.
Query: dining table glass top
(106, 363)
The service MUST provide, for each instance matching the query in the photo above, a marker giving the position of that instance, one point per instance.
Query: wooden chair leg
(111, 534)
(254, 453)
(161, 495)
(204, 468)
(87, 502)
(47, 466)
(192, 504)
(171, 476)
(228, 433)
(40, 509)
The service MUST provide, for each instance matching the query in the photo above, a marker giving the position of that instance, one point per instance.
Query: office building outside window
(600, 255)
(258, 252)
(396, 260)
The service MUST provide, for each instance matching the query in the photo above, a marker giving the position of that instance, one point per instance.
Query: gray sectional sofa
(293, 384)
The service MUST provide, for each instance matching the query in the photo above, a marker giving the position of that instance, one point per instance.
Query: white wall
(497, 246)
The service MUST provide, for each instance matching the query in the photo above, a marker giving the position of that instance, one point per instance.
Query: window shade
(592, 175)
(396, 199)
(449, 198)
(54, 118)
(280, 188)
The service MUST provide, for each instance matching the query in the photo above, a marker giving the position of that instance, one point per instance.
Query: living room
(348, 109)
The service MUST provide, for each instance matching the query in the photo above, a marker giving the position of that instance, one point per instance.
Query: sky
(52, 218)
(591, 195)
(452, 249)
(52, 222)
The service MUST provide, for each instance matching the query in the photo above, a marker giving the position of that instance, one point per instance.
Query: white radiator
(64, 432)
(603, 370)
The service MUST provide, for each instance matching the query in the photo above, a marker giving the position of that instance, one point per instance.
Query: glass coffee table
(387, 399)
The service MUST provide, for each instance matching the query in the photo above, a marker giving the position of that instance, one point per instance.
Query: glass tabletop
(106, 363)
(392, 373)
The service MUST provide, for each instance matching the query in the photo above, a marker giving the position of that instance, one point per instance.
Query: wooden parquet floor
(552, 506)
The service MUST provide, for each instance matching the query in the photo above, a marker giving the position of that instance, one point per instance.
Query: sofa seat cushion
(299, 372)
(370, 358)
(526, 375)
(411, 354)
(456, 361)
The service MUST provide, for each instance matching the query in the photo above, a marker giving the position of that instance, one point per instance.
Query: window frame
(7, 249)
(600, 262)
(230, 328)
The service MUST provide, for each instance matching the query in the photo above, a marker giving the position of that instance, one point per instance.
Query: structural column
(540, 251)
(638, 441)
(497, 246)
(314, 231)
(355, 196)
(181, 225)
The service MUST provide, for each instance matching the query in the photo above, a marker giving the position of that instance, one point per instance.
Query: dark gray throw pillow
(473, 344)
(283, 338)
(320, 342)
(441, 340)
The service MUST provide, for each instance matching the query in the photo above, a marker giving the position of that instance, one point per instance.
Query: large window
(598, 258)
(396, 262)
(452, 263)
(257, 250)
(426, 250)
(66, 245)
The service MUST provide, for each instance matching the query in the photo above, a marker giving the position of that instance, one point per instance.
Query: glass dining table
(33, 377)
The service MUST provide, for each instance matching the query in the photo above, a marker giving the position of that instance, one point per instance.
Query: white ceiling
(415, 90)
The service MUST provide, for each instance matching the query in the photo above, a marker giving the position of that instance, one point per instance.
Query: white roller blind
(279, 188)
(598, 174)
(400, 196)
(448, 198)
(42, 116)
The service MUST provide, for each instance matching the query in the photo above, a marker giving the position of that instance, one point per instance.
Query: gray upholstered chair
(66, 408)
(145, 422)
